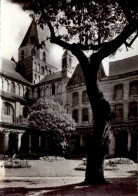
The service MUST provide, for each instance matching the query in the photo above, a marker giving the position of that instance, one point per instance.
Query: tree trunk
(101, 113)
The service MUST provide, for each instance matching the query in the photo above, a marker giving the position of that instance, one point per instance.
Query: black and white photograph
(68, 97)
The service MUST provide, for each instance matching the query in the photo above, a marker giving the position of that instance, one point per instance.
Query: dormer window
(44, 56)
(22, 54)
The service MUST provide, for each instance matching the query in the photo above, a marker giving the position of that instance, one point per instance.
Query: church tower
(66, 64)
(33, 61)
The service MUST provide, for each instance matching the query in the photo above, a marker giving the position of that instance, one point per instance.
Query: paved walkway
(68, 186)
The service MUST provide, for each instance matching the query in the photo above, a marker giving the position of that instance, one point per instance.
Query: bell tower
(33, 61)
(66, 64)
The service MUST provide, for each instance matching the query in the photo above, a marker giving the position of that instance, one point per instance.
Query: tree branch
(125, 9)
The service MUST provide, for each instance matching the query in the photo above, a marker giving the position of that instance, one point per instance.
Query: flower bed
(52, 158)
(16, 164)
(109, 164)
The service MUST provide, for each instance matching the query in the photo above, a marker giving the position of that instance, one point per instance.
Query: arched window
(18, 89)
(44, 56)
(8, 111)
(59, 88)
(38, 92)
(53, 89)
(22, 54)
(42, 70)
(25, 112)
(33, 52)
(12, 87)
(38, 68)
(42, 92)
(35, 77)
(47, 91)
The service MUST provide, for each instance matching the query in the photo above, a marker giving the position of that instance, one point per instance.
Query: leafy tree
(49, 116)
(100, 27)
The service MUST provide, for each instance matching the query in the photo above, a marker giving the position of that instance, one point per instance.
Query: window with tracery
(75, 98)
(75, 115)
(119, 111)
(118, 91)
(133, 109)
(134, 88)
(85, 97)
(85, 116)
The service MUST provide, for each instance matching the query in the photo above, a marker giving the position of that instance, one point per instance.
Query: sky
(14, 24)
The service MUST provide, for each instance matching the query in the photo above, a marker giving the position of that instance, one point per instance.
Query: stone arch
(59, 89)
(38, 92)
(8, 112)
(26, 112)
(42, 93)
(47, 91)
(53, 88)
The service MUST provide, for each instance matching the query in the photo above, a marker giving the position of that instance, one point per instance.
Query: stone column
(81, 141)
(112, 144)
(129, 141)
(6, 141)
(39, 140)
(80, 116)
(30, 143)
(19, 135)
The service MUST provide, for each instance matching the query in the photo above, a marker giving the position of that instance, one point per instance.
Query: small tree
(100, 27)
(49, 116)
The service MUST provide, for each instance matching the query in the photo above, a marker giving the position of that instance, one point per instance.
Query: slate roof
(34, 35)
(51, 77)
(8, 67)
(78, 78)
(123, 66)
(13, 97)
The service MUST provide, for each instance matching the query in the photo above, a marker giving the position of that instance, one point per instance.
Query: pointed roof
(8, 68)
(77, 78)
(34, 35)
(123, 66)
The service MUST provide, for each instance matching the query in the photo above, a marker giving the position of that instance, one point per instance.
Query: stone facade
(33, 77)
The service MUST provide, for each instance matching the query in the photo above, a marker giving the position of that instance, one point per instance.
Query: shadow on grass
(120, 186)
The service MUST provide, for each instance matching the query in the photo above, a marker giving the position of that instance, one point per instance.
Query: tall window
(85, 117)
(118, 91)
(75, 115)
(134, 88)
(75, 98)
(42, 70)
(44, 56)
(25, 112)
(84, 97)
(19, 89)
(22, 54)
(119, 111)
(133, 109)
(53, 89)
(12, 87)
(42, 92)
(7, 109)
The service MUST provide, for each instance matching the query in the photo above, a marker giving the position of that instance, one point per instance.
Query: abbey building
(33, 77)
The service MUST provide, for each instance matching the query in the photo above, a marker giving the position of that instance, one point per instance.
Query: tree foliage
(88, 23)
(49, 116)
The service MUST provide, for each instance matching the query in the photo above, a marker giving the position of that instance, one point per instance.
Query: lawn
(65, 168)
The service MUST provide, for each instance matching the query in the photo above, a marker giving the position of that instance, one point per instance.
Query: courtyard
(59, 177)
